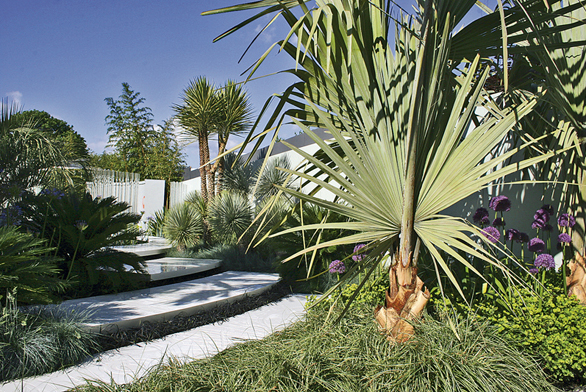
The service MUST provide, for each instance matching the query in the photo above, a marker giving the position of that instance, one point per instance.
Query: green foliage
(271, 178)
(551, 328)
(448, 355)
(229, 214)
(71, 143)
(153, 152)
(183, 226)
(372, 294)
(233, 257)
(237, 176)
(300, 271)
(81, 229)
(41, 340)
(29, 157)
(24, 266)
(155, 224)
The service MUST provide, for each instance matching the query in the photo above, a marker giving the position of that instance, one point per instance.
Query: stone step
(130, 309)
(127, 363)
(174, 267)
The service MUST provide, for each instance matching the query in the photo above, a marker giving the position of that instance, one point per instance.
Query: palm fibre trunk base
(405, 300)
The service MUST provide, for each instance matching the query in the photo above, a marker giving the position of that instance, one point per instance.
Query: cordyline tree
(402, 149)
(208, 111)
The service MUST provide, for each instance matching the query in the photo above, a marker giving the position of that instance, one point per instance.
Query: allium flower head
(492, 234)
(548, 208)
(544, 260)
(533, 271)
(566, 220)
(500, 203)
(541, 218)
(358, 256)
(522, 237)
(512, 234)
(337, 267)
(536, 245)
(564, 238)
(481, 216)
(498, 222)
(81, 225)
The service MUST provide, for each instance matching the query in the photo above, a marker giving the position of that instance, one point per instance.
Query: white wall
(151, 198)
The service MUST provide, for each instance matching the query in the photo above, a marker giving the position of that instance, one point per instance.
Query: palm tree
(28, 158)
(235, 119)
(401, 149)
(198, 115)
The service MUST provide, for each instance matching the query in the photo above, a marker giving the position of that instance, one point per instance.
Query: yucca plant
(230, 214)
(183, 226)
(401, 148)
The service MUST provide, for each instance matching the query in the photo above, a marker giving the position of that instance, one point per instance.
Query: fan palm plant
(402, 148)
(27, 157)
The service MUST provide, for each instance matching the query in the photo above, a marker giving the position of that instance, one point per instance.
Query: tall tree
(72, 145)
(140, 147)
(235, 119)
(199, 115)
(28, 157)
(402, 151)
(130, 128)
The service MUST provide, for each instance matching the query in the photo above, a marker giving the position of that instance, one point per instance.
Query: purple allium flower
(498, 222)
(500, 203)
(533, 271)
(544, 260)
(522, 237)
(492, 234)
(481, 216)
(541, 215)
(536, 245)
(541, 218)
(564, 238)
(548, 208)
(337, 267)
(512, 234)
(358, 256)
(566, 220)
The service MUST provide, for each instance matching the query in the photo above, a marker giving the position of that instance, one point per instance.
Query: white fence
(122, 185)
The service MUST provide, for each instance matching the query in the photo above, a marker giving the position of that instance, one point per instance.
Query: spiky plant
(230, 214)
(402, 149)
(26, 266)
(183, 226)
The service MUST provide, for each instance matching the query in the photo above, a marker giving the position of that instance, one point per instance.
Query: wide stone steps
(130, 309)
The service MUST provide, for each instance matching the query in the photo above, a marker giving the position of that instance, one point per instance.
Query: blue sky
(66, 56)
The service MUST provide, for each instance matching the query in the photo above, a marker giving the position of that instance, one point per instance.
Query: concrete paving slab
(130, 309)
(154, 246)
(125, 364)
(173, 267)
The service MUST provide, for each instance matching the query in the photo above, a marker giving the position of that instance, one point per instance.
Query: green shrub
(446, 355)
(41, 340)
(229, 215)
(81, 228)
(24, 265)
(371, 295)
(551, 328)
(183, 226)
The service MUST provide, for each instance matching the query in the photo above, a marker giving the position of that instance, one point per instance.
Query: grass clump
(446, 355)
(41, 340)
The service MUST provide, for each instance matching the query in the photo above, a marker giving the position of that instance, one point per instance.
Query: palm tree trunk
(202, 169)
(407, 297)
(209, 174)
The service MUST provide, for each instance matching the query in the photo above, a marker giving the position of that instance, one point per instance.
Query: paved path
(124, 364)
(130, 309)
